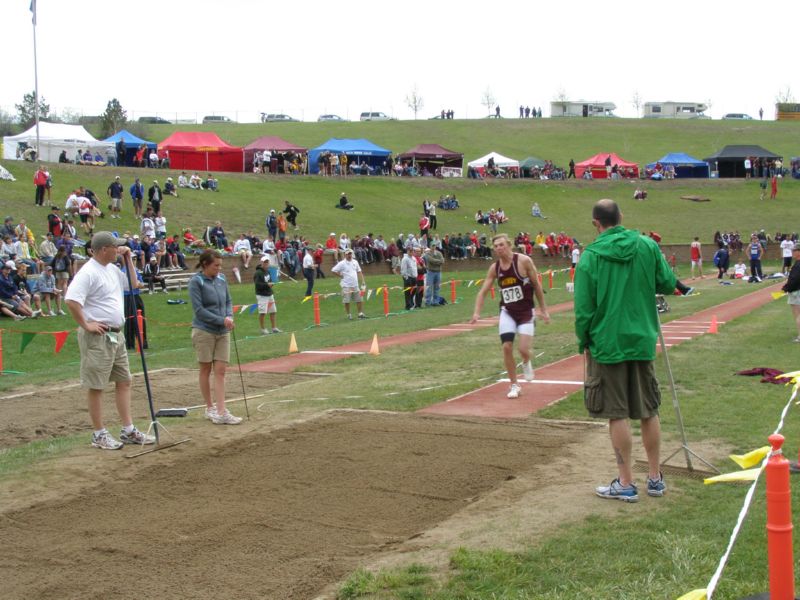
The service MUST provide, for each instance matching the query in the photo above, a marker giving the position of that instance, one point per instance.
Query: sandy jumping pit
(278, 514)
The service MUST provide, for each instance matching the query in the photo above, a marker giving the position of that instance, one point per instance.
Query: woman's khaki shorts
(211, 347)
(626, 390)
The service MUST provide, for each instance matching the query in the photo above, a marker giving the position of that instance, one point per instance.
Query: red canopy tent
(274, 144)
(201, 151)
(597, 165)
(433, 155)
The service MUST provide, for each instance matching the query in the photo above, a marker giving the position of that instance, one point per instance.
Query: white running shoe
(134, 436)
(36, 313)
(211, 412)
(105, 441)
(514, 392)
(527, 371)
(225, 418)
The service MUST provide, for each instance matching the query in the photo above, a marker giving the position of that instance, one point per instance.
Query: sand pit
(269, 514)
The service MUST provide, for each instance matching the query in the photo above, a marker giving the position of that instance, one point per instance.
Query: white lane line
(546, 381)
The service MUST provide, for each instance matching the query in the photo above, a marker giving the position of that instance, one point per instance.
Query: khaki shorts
(102, 359)
(211, 347)
(350, 295)
(117, 203)
(626, 390)
(266, 304)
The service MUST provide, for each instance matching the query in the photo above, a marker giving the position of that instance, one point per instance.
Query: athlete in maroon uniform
(519, 283)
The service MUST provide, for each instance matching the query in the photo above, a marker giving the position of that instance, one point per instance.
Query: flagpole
(35, 80)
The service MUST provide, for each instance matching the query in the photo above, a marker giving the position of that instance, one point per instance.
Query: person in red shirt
(332, 247)
(318, 254)
(697, 257)
(40, 181)
(424, 225)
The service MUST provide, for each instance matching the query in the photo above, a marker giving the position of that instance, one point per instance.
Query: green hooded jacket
(616, 281)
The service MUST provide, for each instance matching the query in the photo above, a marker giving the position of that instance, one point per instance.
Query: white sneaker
(105, 441)
(527, 371)
(135, 436)
(514, 392)
(265, 332)
(52, 314)
(36, 313)
(62, 313)
(225, 418)
(211, 412)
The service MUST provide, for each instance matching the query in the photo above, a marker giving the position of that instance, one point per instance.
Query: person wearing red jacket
(318, 254)
(40, 181)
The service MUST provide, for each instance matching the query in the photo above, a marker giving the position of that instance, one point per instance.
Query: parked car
(216, 119)
(276, 118)
(323, 118)
(375, 116)
(737, 117)
(154, 121)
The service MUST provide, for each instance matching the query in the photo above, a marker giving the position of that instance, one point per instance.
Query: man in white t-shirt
(350, 273)
(786, 251)
(94, 299)
(576, 255)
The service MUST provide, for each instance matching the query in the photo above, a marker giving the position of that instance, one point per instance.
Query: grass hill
(392, 205)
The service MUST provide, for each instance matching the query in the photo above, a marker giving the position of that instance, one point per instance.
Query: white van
(375, 116)
(216, 119)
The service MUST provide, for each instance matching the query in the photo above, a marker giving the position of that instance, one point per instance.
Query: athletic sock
(100, 432)
(128, 428)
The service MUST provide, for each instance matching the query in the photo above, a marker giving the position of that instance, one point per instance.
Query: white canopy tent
(500, 161)
(53, 139)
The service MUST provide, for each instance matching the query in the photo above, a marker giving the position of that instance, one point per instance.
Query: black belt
(113, 329)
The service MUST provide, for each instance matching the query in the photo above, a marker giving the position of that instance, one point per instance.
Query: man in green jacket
(616, 322)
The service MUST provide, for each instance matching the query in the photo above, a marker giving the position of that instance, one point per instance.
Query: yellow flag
(735, 477)
(694, 595)
(752, 458)
(776, 295)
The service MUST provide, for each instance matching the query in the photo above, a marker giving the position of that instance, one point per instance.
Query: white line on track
(344, 352)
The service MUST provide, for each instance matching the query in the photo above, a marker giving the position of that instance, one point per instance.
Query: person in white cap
(94, 299)
(350, 273)
(265, 296)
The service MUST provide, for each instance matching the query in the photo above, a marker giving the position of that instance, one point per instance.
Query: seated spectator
(500, 216)
(217, 236)
(196, 182)
(343, 203)
(587, 174)
(191, 241)
(12, 301)
(48, 292)
(243, 249)
(62, 158)
(639, 194)
(169, 188)
(536, 212)
(739, 270)
(480, 218)
(98, 158)
(152, 275)
(175, 258)
(183, 180)
(153, 159)
(210, 183)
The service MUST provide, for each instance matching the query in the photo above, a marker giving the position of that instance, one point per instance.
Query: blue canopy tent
(684, 165)
(357, 150)
(125, 139)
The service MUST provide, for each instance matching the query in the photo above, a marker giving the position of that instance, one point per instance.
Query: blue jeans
(432, 281)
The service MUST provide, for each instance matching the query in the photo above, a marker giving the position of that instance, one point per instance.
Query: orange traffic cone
(374, 350)
(293, 345)
(713, 327)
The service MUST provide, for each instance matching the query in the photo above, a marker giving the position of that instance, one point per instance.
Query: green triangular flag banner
(27, 338)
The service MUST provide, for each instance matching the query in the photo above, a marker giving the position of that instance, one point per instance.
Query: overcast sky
(186, 59)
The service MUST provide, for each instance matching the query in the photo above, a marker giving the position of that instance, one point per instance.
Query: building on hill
(675, 110)
(581, 108)
(787, 111)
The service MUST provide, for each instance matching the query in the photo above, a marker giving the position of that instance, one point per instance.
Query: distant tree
(561, 95)
(6, 123)
(26, 111)
(114, 118)
(487, 99)
(414, 101)
(636, 102)
(785, 96)
(67, 115)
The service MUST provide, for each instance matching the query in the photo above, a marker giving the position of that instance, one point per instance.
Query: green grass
(19, 458)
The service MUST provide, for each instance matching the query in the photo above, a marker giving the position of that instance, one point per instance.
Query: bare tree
(414, 101)
(561, 95)
(636, 102)
(785, 96)
(487, 99)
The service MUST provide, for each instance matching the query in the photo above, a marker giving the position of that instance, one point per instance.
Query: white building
(581, 108)
(675, 110)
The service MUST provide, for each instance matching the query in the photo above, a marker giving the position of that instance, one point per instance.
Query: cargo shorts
(626, 390)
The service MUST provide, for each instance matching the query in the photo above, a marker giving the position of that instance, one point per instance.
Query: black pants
(433, 221)
(309, 275)
(755, 268)
(132, 304)
(409, 285)
(40, 189)
(151, 281)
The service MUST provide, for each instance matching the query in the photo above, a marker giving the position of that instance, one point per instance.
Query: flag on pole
(33, 10)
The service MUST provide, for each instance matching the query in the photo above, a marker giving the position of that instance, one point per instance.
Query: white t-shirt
(161, 224)
(786, 248)
(242, 245)
(148, 227)
(349, 270)
(308, 261)
(268, 247)
(98, 290)
(576, 254)
(72, 203)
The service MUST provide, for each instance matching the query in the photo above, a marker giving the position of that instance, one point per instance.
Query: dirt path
(281, 513)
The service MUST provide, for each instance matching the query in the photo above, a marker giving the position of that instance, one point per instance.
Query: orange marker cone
(374, 350)
(713, 327)
(293, 345)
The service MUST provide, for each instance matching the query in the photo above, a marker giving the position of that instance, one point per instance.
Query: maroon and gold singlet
(516, 292)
